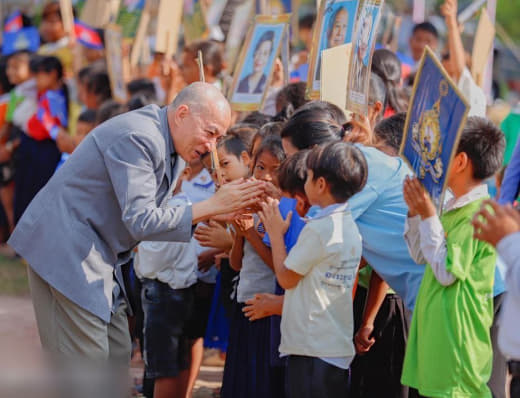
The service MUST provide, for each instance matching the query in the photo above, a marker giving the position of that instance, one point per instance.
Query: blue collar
(327, 211)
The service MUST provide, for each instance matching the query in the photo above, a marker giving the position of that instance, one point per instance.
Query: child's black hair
(5, 85)
(138, 101)
(387, 66)
(323, 109)
(142, 86)
(48, 64)
(268, 129)
(342, 165)
(108, 110)
(310, 127)
(377, 93)
(293, 173)
(484, 144)
(245, 132)
(88, 116)
(97, 83)
(257, 118)
(273, 145)
(427, 27)
(293, 96)
(233, 145)
(390, 130)
(307, 21)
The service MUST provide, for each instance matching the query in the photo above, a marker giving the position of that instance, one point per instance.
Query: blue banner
(436, 116)
(23, 39)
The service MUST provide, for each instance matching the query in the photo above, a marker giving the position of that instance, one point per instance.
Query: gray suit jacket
(100, 204)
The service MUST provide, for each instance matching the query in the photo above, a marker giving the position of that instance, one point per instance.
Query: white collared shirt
(426, 240)
(508, 333)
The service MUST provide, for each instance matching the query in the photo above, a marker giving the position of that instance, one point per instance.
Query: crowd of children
(344, 281)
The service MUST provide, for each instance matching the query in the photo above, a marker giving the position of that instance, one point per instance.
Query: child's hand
(417, 199)
(362, 339)
(262, 305)
(492, 228)
(272, 191)
(213, 235)
(273, 222)
(219, 258)
(244, 223)
(449, 10)
(206, 259)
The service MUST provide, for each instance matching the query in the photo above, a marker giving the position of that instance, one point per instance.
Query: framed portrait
(363, 47)
(255, 65)
(113, 45)
(194, 21)
(243, 14)
(436, 116)
(128, 17)
(334, 26)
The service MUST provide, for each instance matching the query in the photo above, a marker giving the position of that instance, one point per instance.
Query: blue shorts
(166, 310)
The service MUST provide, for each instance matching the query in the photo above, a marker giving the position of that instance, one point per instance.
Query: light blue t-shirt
(380, 213)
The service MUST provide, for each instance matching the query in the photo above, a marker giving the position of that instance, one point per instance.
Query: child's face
(83, 128)
(232, 167)
(45, 80)
(266, 167)
(90, 100)
(18, 69)
(419, 40)
(305, 36)
(51, 28)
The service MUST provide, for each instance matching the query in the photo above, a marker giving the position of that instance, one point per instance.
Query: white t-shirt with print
(317, 317)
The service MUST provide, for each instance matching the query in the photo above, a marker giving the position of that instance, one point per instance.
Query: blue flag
(23, 39)
(435, 119)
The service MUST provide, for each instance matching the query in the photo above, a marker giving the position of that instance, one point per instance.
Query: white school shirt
(426, 240)
(473, 93)
(317, 316)
(509, 326)
(174, 263)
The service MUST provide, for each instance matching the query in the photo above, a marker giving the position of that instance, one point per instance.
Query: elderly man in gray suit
(106, 199)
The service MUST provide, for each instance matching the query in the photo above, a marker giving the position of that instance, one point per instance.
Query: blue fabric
(23, 39)
(380, 213)
(511, 183)
(295, 227)
(300, 74)
(217, 331)
(499, 286)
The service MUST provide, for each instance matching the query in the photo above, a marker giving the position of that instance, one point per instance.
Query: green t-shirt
(364, 275)
(449, 352)
(511, 128)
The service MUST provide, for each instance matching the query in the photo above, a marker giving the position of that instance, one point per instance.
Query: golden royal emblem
(427, 138)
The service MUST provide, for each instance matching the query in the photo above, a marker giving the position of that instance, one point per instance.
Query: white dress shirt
(509, 327)
(426, 239)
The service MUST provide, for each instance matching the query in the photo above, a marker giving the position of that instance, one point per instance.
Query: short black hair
(88, 116)
(5, 84)
(243, 131)
(138, 101)
(324, 109)
(273, 145)
(307, 21)
(293, 173)
(142, 86)
(484, 144)
(342, 165)
(426, 27)
(377, 93)
(108, 110)
(310, 127)
(97, 83)
(233, 145)
(390, 130)
(257, 118)
(212, 54)
(291, 95)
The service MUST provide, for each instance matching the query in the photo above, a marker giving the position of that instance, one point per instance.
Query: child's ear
(302, 204)
(321, 184)
(460, 162)
(246, 159)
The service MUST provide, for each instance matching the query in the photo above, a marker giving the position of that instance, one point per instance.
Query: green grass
(13, 277)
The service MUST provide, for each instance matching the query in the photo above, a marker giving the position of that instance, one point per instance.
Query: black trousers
(310, 377)
(378, 372)
(514, 388)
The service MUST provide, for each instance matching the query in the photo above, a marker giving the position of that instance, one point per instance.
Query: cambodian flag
(14, 23)
(87, 36)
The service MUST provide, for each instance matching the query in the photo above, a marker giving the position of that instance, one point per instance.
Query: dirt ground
(20, 352)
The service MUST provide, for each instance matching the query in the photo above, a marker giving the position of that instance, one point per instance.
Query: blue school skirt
(248, 372)
(217, 331)
(35, 163)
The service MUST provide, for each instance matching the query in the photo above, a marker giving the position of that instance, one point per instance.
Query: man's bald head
(198, 116)
(199, 96)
